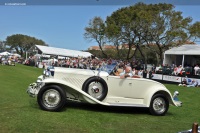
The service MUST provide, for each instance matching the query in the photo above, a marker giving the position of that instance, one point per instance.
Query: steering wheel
(113, 71)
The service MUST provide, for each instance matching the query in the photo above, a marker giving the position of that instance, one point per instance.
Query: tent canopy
(17, 55)
(61, 52)
(182, 55)
(5, 53)
(184, 50)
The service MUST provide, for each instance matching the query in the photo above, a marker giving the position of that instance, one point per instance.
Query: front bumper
(34, 88)
(178, 103)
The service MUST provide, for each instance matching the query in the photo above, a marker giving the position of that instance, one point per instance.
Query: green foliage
(96, 31)
(146, 24)
(140, 24)
(22, 43)
(20, 113)
(194, 30)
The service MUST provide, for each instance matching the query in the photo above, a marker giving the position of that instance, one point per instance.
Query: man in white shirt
(127, 72)
(196, 68)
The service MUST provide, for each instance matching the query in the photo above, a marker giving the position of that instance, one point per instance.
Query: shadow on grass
(107, 109)
(99, 108)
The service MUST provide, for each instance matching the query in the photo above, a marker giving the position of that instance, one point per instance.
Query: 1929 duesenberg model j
(57, 85)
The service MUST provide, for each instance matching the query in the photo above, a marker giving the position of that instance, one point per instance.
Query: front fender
(86, 96)
(163, 91)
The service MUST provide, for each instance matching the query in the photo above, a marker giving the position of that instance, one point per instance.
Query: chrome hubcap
(51, 98)
(159, 105)
(95, 89)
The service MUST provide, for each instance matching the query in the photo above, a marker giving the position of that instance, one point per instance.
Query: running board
(126, 105)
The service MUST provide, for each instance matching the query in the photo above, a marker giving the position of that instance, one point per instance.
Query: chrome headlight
(40, 78)
(175, 96)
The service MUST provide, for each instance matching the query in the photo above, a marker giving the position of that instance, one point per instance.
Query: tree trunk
(21, 52)
(103, 51)
(129, 49)
(157, 60)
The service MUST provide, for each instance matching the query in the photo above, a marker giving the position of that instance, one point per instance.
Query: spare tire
(96, 87)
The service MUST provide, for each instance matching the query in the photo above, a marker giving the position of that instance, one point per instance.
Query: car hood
(80, 71)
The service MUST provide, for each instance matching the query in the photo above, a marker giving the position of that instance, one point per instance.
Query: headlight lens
(48, 72)
(39, 80)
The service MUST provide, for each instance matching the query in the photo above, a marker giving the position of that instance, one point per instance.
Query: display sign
(157, 76)
(172, 78)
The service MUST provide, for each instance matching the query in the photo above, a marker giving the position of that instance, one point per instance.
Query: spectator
(196, 68)
(186, 81)
(140, 73)
(179, 70)
(194, 84)
(183, 83)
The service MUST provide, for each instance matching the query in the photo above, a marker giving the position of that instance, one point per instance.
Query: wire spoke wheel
(95, 89)
(159, 105)
(51, 98)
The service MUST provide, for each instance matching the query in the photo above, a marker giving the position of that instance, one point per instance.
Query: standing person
(140, 73)
(196, 68)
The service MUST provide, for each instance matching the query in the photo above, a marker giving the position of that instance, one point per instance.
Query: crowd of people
(92, 63)
(8, 60)
(179, 70)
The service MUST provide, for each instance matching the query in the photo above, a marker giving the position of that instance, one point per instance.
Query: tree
(2, 46)
(22, 43)
(164, 28)
(194, 31)
(123, 26)
(96, 31)
(154, 24)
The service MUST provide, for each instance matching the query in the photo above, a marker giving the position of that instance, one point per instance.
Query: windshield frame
(108, 68)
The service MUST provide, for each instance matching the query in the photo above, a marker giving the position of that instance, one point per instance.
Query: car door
(120, 87)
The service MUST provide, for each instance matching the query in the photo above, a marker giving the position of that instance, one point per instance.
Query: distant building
(94, 48)
(106, 47)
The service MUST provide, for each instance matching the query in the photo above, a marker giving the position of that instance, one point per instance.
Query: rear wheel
(159, 105)
(51, 98)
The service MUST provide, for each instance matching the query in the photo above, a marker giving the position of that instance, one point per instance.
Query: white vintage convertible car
(57, 85)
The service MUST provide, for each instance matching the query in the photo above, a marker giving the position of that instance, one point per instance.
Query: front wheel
(51, 98)
(159, 105)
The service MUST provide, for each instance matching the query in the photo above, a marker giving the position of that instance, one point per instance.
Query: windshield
(108, 68)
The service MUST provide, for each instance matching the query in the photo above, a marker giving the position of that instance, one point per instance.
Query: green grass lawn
(20, 113)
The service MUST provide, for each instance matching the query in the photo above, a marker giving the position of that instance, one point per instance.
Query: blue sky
(62, 26)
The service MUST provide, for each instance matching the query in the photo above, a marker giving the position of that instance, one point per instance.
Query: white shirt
(123, 73)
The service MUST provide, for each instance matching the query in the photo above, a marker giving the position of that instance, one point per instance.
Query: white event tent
(5, 53)
(45, 50)
(184, 54)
